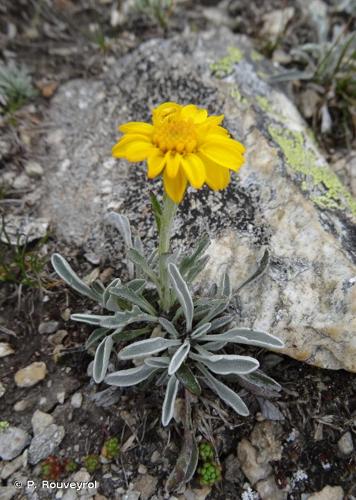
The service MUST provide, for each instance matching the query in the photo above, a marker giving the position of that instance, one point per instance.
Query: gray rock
(24, 229)
(44, 443)
(12, 441)
(146, 485)
(328, 493)
(268, 490)
(266, 437)
(7, 492)
(76, 400)
(2, 389)
(33, 169)
(286, 198)
(40, 421)
(345, 444)
(253, 469)
(21, 182)
(10, 467)
(5, 349)
(48, 327)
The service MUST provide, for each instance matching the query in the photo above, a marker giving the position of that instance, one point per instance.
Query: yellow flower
(185, 144)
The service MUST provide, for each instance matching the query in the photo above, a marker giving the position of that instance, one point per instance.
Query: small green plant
(18, 263)
(209, 473)
(158, 10)
(15, 87)
(92, 463)
(111, 448)
(70, 465)
(4, 424)
(206, 451)
(51, 468)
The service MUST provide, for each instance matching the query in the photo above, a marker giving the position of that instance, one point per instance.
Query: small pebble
(142, 469)
(31, 374)
(345, 444)
(33, 169)
(22, 405)
(61, 397)
(76, 400)
(5, 349)
(48, 327)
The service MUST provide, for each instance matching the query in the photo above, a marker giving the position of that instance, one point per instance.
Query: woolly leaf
(201, 330)
(147, 347)
(64, 270)
(101, 359)
(223, 364)
(179, 357)
(95, 336)
(169, 400)
(169, 327)
(129, 377)
(183, 295)
(247, 336)
(132, 297)
(188, 379)
(225, 393)
(141, 262)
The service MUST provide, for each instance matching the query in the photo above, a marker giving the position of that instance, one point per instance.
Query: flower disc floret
(183, 144)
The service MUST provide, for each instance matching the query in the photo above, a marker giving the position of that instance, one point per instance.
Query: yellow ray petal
(119, 150)
(194, 170)
(216, 177)
(221, 155)
(175, 187)
(227, 142)
(194, 113)
(139, 151)
(173, 162)
(136, 128)
(155, 165)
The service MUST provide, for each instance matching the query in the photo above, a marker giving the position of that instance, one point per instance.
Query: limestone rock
(44, 443)
(31, 374)
(252, 468)
(266, 437)
(328, 493)
(345, 444)
(12, 441)
(5, 349)
(286, 198)
(146, 485)
(268, 490)
(40, 421)
(33, 169)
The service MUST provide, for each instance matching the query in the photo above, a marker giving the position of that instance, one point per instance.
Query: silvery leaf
(220, 322)
(124, 318)
(225, 286)
(225, 393)
(91, 319)
(122, 224)
(169, 327)
(161, 362)
(183, 295)
(223, 364)
(95, 336)
(132, 297)
(197, 268)
(246, 336)
(260, 384)
(137, 285)
(179, 357)
(129, 377)
(201, 330)
(147, 347)
(219, 308)
(106, 295)
(214, 346)
(188, 261)
(101, 359)
(141, 262)
(169, 400)
(64, 270)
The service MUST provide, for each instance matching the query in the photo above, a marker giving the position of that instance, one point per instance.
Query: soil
(61, 40)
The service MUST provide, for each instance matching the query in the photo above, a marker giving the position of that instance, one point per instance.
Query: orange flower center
(176, 135)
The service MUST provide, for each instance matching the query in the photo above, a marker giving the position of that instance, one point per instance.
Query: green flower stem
(168, 213)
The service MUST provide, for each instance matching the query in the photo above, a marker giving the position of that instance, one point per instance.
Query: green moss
(224, 66)
(329, 191)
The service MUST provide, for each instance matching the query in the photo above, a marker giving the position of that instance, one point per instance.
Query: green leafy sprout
(15, 87)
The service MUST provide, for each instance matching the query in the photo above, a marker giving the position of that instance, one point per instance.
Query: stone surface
(76, 400)
(40, 421)
(12, 441)
(2, 389)
(345, 444)
(31, 374)
(328, 493)
(33, 169)
(48, 327)
(252, 468)
(268, 490)
(286, 198)
(146, 485)
(13, 466)
(5, 349)
(44, 443)
(266, 437)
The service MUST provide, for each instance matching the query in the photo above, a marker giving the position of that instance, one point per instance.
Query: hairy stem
(168, 213)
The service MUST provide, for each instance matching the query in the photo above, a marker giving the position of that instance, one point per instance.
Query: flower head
(185, 144)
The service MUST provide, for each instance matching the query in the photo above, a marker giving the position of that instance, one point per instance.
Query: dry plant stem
(168, 213)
